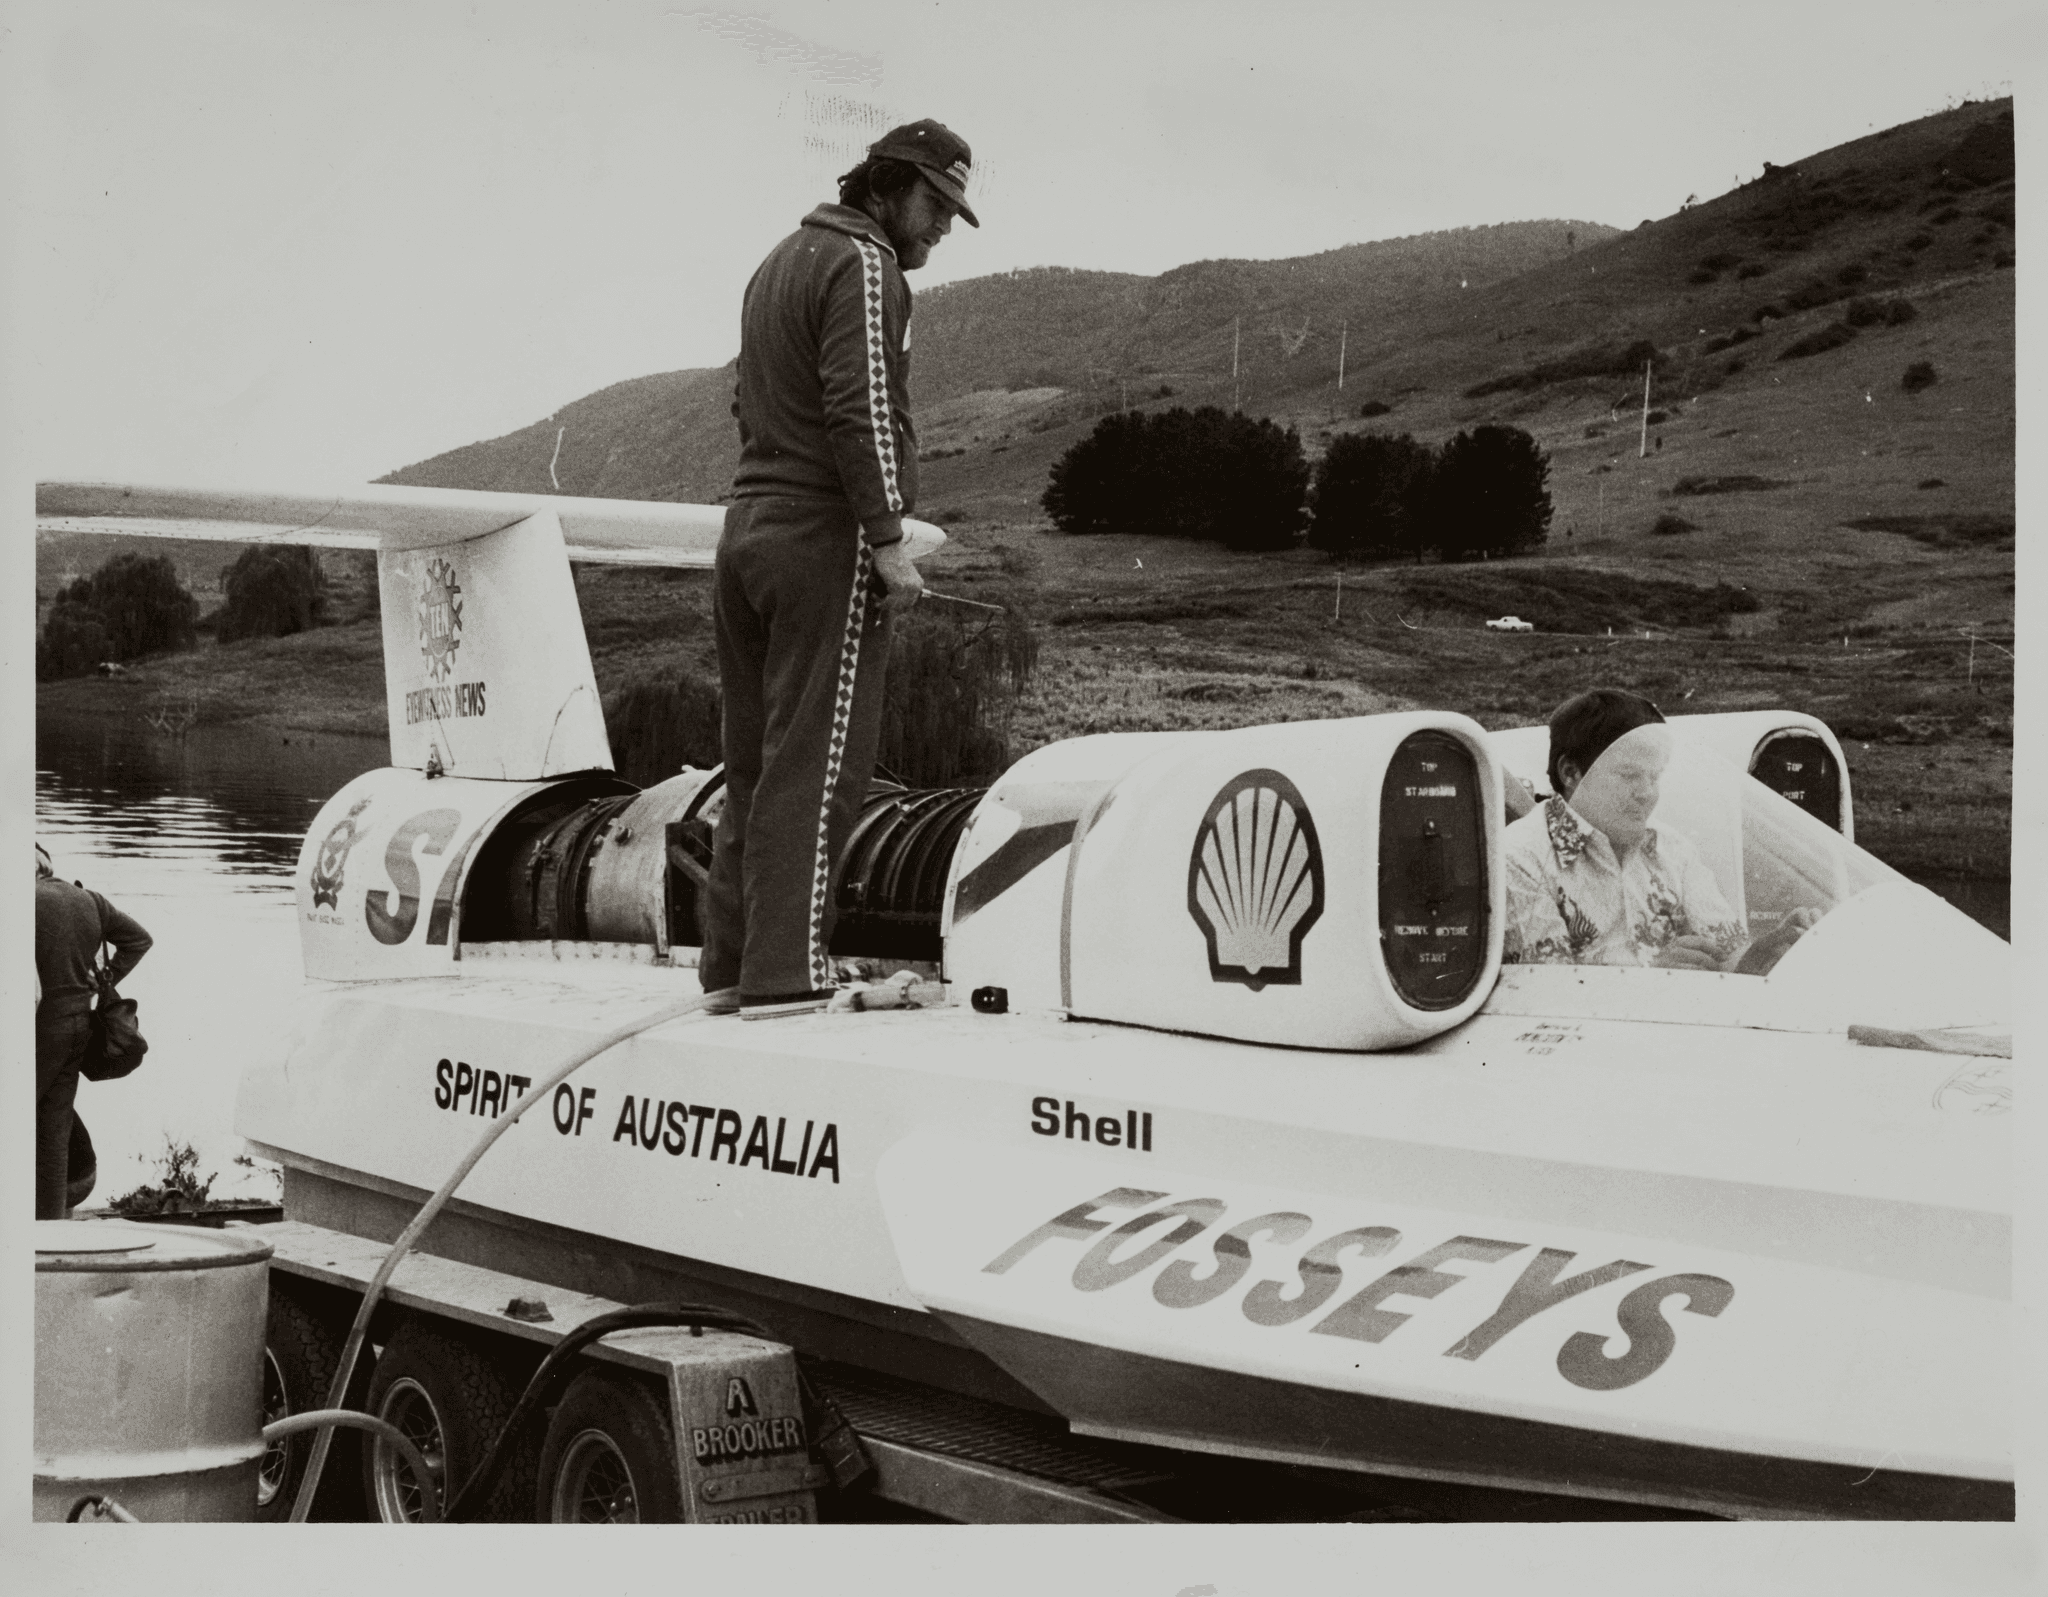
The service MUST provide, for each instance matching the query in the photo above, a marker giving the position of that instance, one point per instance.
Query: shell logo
(439, 602)
(1255, 880)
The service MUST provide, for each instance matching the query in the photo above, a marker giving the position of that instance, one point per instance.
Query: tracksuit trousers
(802, 651)
(61, 1037)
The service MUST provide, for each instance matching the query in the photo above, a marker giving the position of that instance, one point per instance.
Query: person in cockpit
(1590, 881)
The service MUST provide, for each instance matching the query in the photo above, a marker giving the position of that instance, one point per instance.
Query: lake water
(197, 837)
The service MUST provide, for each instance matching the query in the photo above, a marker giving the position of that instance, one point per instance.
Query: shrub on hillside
(272, 592)
(1371, 496)
(1919, 375)
(139, 602)
(1203, 474)
(1374, 407)
(1740, 335)
(1870, 312)
(1597, 360)
(1818, 342)
(1669, 524)
(1489, 495)
(1812, 294)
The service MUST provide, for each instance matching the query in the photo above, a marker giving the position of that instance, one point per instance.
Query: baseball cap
(941, 153)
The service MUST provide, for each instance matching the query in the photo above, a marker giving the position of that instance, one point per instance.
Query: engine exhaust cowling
(1327, 884)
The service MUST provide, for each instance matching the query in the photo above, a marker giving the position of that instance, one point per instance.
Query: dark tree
(1260, 495)
(1097, 484)
(272, 591)
(1370, 496)
(140, 603)
(1183, 474)
(1490, 495)
(73, 641)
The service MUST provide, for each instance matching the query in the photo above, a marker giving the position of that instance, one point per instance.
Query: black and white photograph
(1250, 769)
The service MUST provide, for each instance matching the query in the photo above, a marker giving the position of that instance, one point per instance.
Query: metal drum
(149, 1368)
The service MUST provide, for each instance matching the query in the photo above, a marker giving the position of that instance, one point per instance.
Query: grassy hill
(1795, 528)
(1077, 341)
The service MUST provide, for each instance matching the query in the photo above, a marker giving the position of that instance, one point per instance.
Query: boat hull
(1810, 1238)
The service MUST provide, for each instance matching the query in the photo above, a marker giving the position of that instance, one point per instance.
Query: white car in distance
(1511, 624)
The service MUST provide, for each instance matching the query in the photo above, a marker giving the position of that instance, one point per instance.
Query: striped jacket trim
(879, 419)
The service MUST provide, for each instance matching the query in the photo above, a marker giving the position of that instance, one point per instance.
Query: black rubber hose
(835, 1438)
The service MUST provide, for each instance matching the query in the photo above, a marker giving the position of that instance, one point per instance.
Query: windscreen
(1665, 853)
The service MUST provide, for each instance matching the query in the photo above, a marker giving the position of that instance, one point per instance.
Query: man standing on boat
(71, 924)
(811, 566)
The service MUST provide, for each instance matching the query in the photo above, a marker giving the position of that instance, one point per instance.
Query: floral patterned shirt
(1572, 902)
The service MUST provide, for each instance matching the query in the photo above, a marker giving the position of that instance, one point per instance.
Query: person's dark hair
(1582, 729)
(875, 179)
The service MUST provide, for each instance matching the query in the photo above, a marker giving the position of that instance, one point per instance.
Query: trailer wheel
(450, 1399)
(301, 1350)
(610, 1455)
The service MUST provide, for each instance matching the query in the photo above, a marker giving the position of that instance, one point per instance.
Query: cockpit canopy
(1665, 849)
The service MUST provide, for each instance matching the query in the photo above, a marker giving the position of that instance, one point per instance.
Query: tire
(451, 1398)
(301, 1350)
(610, 1455)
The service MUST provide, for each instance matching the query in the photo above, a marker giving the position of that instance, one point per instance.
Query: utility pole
(1643, 449)
(1343, 336)
(1236, 329)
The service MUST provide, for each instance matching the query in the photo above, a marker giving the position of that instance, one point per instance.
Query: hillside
(1069, 337)
(669, 436)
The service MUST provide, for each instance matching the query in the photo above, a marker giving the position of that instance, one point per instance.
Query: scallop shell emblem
(1255, 880)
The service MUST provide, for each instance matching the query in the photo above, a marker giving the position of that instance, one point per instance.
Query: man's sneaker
(725, 1001)
(776, 1005)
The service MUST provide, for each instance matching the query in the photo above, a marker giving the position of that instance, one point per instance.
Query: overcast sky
(277, 242)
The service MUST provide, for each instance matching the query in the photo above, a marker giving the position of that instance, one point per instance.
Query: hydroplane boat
(1223, 1127)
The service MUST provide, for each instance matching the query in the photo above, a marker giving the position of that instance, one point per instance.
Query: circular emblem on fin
(332, 860)
(440, 617)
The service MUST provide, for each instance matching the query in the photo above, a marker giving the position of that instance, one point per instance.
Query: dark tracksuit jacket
(828, 470)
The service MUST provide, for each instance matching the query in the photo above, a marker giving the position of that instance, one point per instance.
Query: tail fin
(486, 669)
